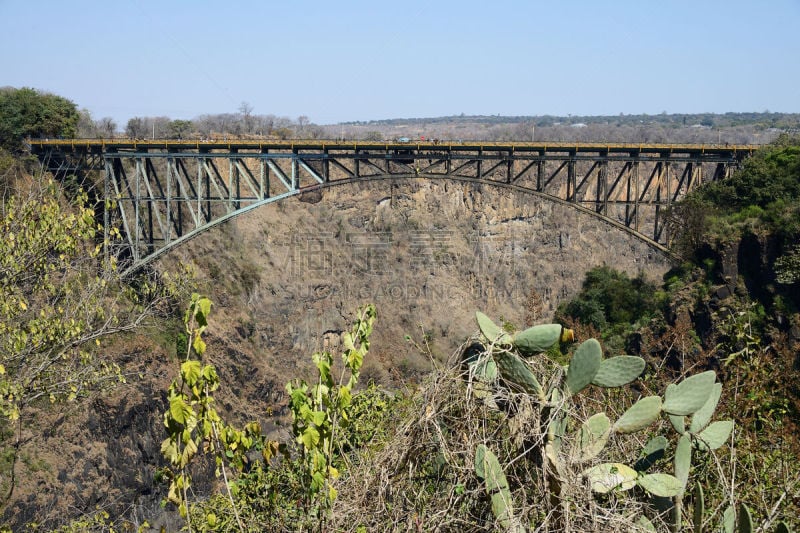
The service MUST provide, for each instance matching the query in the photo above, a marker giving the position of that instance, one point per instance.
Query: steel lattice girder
(165, 192)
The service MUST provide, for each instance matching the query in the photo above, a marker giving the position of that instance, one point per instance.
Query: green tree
(609, 298)
(179, 128)
(28, 113)
(770, 174)
(58, 299)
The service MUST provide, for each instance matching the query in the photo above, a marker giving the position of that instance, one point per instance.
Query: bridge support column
(295, 184)
(602, 185)
(263, 185)
(572, 180)
(698, 178)
(167, 236)
(137, 201)
(231, 169)
(633, 218)
(264, 175)
(539, 172)
(668, 181)
(662, 182)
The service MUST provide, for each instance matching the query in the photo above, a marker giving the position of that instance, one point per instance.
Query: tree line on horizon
(59, 117)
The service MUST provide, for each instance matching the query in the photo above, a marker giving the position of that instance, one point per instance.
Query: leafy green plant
(60, 297)
(193, 423)
(319, 410)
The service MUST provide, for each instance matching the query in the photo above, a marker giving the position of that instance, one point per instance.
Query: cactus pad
(639, 415)
(610, 476)
(488, 468)
(652, 452)
(689, 395)
(516, 372)
(679, 423)
(492, 331)
(593, 436)
(618, 371)
(699, 508)
(663, 485)
(729, 519)
(537, 339)
(683, 460)
(584, 365)
(703, 415)
(485, 370)
(645, 524)
(714, 435)
(745, 519)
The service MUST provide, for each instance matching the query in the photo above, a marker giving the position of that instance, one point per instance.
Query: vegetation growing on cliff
(762, 198)
(505, 438)
(60, 297)
(611, 302)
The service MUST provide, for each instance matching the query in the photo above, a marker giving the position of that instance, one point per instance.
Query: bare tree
(246, 110)
(159, 126)
(136, 128)
(86, 125)
(107, 127)
(265, 124)
(302, 122)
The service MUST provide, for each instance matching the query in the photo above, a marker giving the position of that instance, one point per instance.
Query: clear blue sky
(358, 60)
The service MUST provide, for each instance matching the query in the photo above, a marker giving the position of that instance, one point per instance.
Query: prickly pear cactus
(689, 406)
(488, 469)
(583, 366)
(537, 339)
(517, 373)
(490, 330)
(690, 395)
(593, 436)
(618, 371)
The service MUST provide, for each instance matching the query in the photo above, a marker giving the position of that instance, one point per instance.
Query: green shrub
(610, 298)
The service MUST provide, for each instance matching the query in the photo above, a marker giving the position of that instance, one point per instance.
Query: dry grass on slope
(424, 479)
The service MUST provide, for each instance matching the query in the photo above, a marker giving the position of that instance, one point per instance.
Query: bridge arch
(601, 219)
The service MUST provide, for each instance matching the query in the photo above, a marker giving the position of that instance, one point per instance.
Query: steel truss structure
(161, 193)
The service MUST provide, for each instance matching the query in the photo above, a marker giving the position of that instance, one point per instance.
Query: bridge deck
(171, 145)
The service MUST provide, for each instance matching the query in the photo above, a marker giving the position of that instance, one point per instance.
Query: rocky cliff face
(285, 279)
(427, 253)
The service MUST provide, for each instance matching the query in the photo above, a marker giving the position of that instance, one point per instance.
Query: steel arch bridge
(161, 193)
